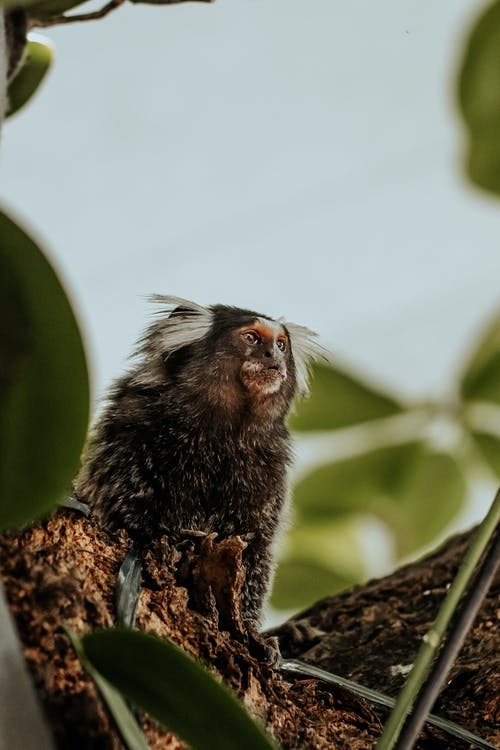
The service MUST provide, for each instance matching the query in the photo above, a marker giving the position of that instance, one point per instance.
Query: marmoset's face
(264, 350)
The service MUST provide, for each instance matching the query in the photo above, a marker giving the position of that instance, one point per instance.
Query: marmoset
(193, 438)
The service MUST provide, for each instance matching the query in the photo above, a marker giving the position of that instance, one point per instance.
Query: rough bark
(64, 571)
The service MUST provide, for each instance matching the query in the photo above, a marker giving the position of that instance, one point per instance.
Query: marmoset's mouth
(257, 377)
(271, 372)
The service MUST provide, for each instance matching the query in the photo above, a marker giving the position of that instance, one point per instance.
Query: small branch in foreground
(434, 637)
(432, 686)
(300, 667)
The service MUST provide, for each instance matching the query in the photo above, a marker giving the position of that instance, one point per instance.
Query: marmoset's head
(228, 353)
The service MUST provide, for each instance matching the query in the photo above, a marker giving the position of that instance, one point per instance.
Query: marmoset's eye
(250, 337)
(281, 344)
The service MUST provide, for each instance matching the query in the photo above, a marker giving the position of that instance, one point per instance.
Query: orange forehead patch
(267, 329)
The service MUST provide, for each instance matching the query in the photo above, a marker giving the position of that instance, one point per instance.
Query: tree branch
(64, 572)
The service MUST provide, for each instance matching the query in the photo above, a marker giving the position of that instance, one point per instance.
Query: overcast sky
(299, 158)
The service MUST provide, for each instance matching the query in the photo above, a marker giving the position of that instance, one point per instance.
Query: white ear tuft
(170, 302)
(181, 323)
(305, 350)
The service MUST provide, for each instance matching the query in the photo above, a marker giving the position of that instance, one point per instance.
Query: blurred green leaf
(333, 544)
(44, 399)
(481, 379)
(431, 496)
(479, 99)
(365, 482)
(163, 680)
(338, 399)
(36, 65)
(489, 448)
(130, 731)
(324, 558)
(416, 492)
(300, 582)
(482, 162)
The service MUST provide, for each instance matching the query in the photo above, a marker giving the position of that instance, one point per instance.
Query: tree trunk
(64, 572)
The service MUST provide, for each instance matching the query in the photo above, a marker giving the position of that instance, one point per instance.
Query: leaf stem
(432, 640)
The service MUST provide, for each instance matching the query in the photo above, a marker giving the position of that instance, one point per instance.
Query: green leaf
(36, 64)
(489, 447)
(482, 161)
(363, 483)
(44, 398)
(479, 99)
(300, 582)
(430, 498)
(130, 731)
(340, 400)
(163, 680)
(414, 491)
(332, 544)
(320, 559)
(481, 380)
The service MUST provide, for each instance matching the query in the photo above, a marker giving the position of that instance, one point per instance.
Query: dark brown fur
(193, 439)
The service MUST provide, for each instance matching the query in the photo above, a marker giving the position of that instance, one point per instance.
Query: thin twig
(437, 676)
(94, 15)
(79, 16)
(168, 2)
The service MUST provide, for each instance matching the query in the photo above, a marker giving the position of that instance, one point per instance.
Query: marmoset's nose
(271, 355)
